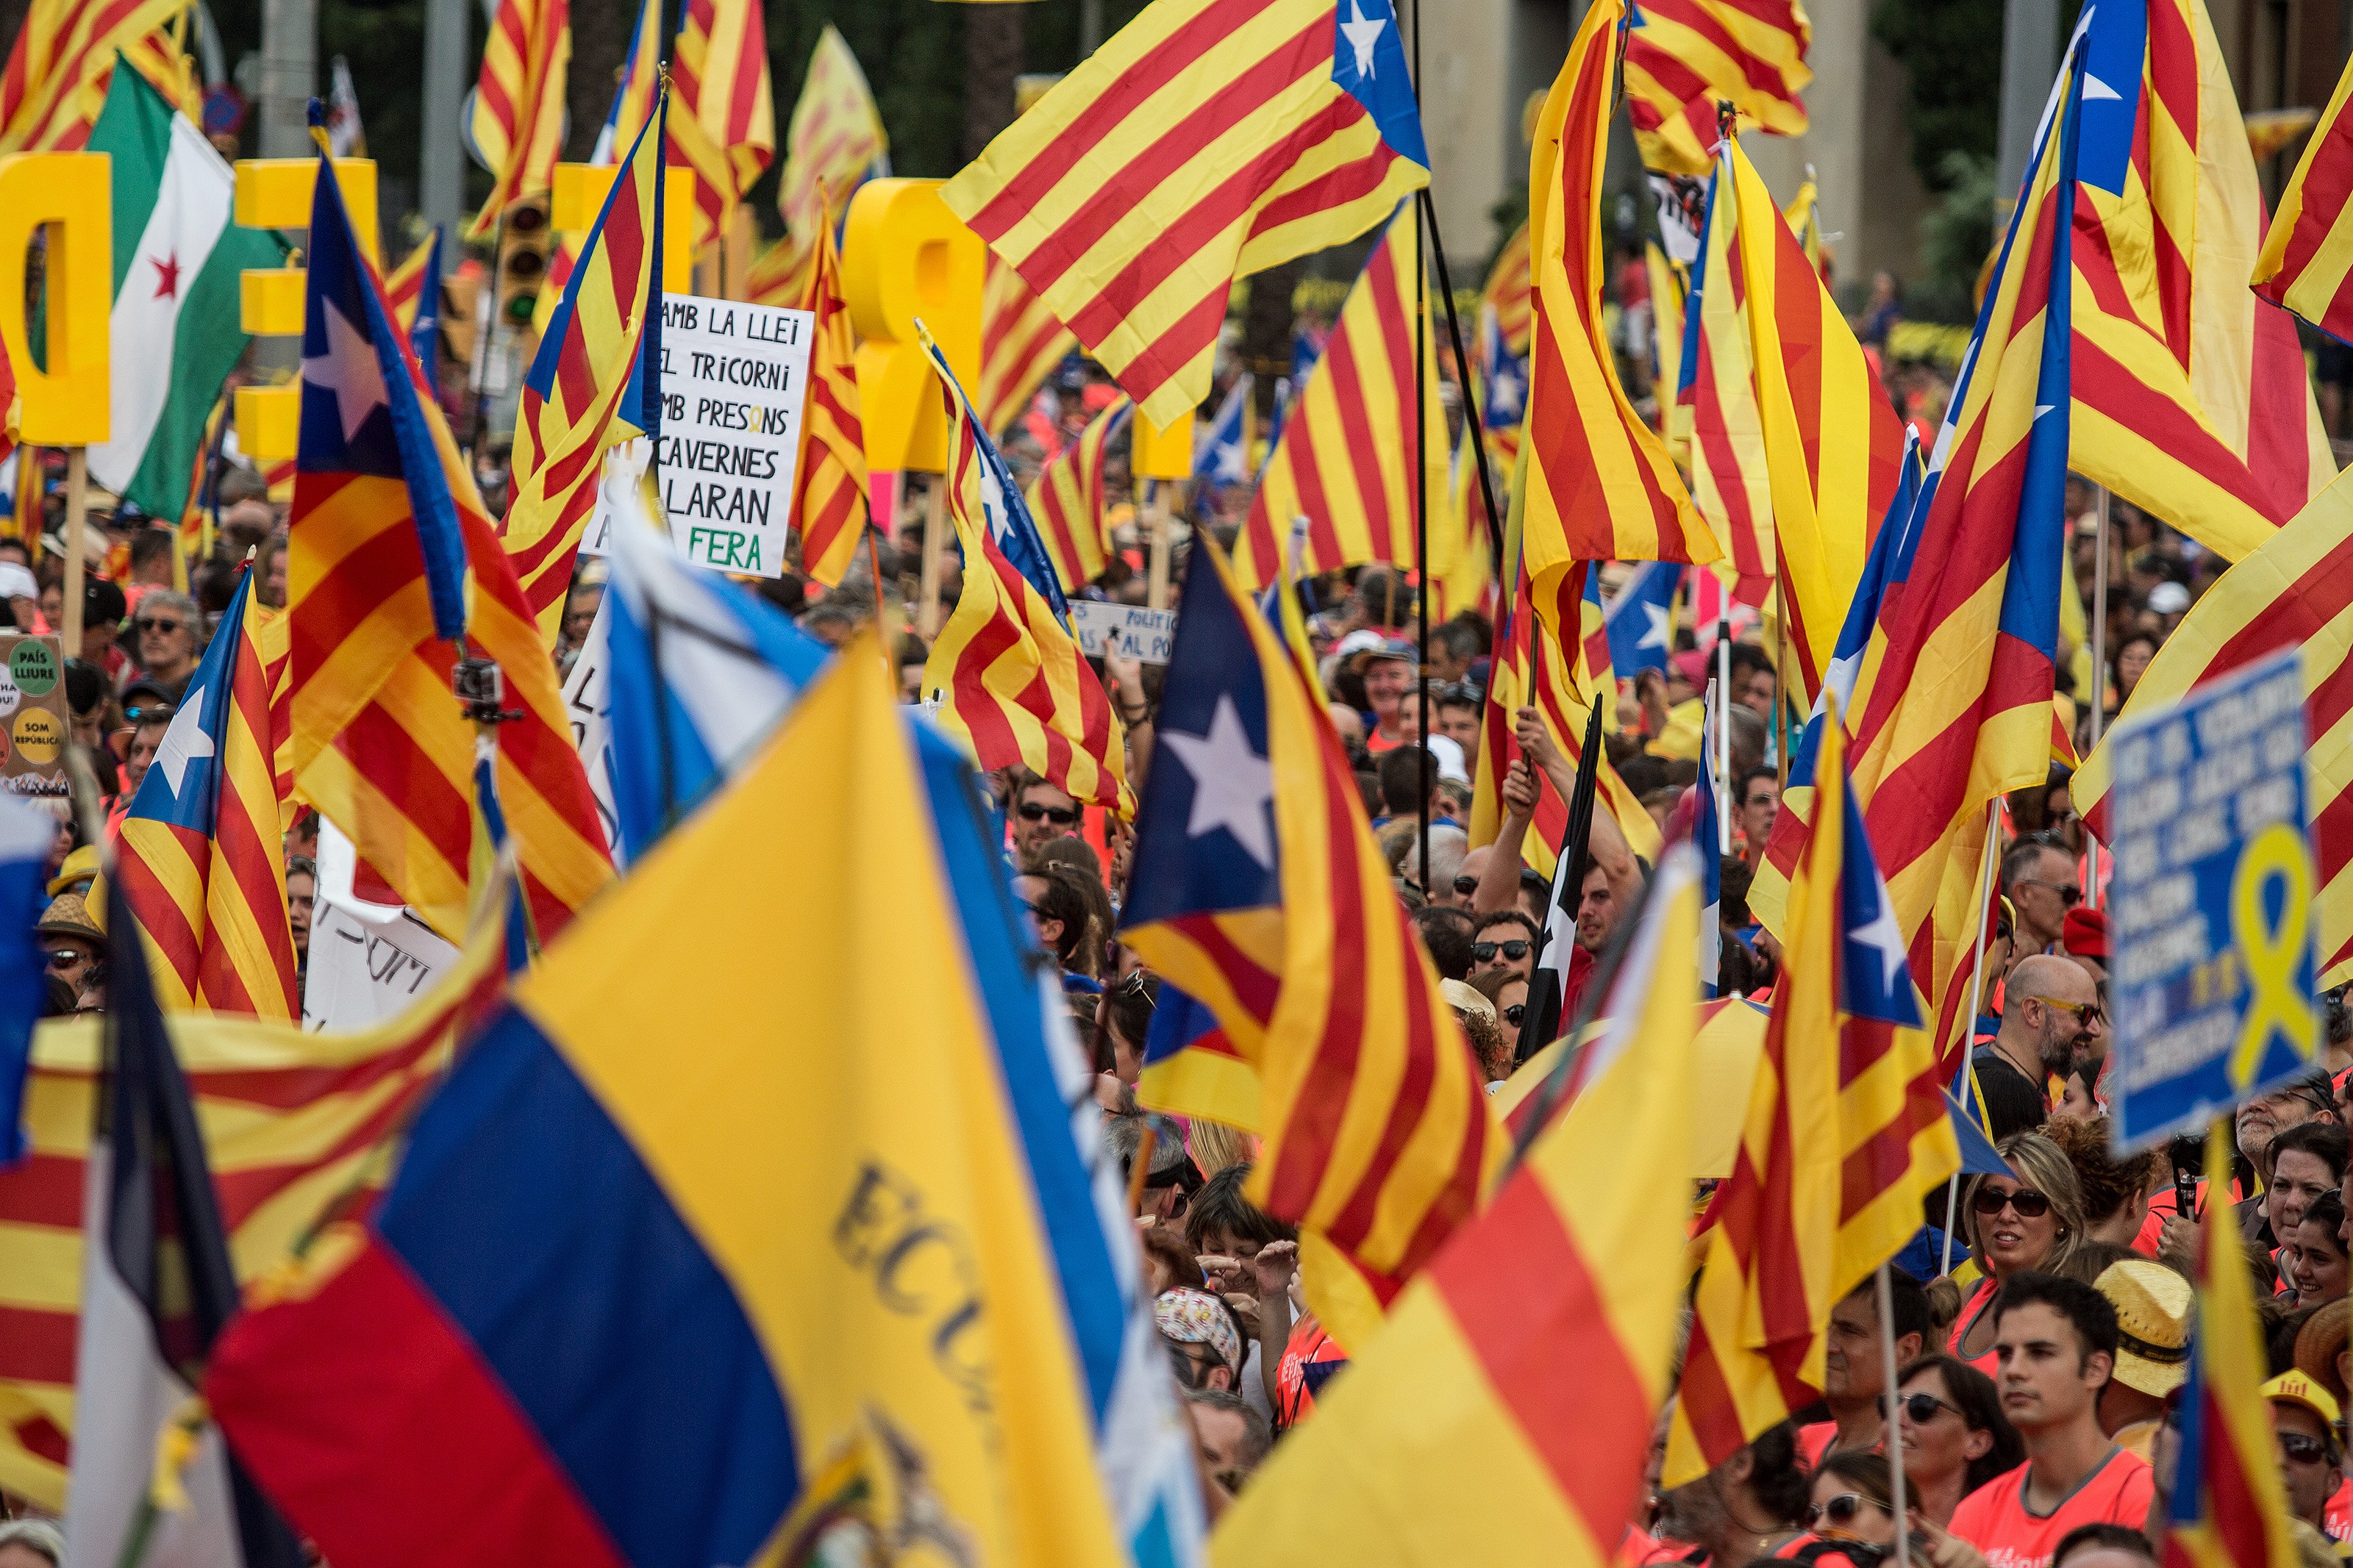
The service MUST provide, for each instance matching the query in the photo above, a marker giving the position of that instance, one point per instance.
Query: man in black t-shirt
(2051, 1010)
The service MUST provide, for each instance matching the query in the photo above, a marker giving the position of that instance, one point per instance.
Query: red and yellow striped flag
(1503, 1413)
(2307, 264)
(572, 405)
(1846, 1135)
(1207, 140)
(1600, 484)
(1067, 499)
(829, 490)
(834, 141)
(518, 115)
(1020, 345)
(55, 83)
(1685, 57)
(724, 126)
(1511, 292)
(1715, 401)
(632, 108)
(1345, 459)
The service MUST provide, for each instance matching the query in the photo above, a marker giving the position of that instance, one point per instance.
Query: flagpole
(488, 294)
(1462, 375)
(1969, 1023)
(1721, 764)
(1421, 492)
(1895, 1426)
(935, 523)
(77, 523)
(2099, 681)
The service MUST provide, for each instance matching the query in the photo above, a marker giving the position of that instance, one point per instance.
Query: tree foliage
(1951, 50)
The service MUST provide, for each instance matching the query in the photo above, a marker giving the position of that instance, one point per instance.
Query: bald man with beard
(2051, 1013)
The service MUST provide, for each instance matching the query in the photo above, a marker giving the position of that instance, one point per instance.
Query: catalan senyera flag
(2230, 1507)
(1600, 484)
(1846, 1136)
(1510, 291)
(1014, 689)
(2306, 262)
(725, 125)
(390, 560)
(834, 141)
(292, 1120)
(2296, 591)
(1503, 1413)
(1832, 443)
(413, 292)
(58, 70)
(1804, 217)
(595, 381)
(1669, 297)
(829, 489)
(518, 113)
(1262, 893)
(1345, 459)
(1067, 500)
(1685, 57)
(201, 855)
(1020, 345)
(1716, 405)
(2191, 400)
(1205, 140)
(631, 109)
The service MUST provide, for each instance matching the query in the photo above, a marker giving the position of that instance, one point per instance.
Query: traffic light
(522, 263)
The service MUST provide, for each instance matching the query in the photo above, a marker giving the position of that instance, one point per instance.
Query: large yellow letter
(71, 404)
(904, 255)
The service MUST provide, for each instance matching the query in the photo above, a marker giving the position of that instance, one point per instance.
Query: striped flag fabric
(1846, 1136)
(1192, 1069)
(1600, 484)
(1832, 443)
(1207, 140)
(632, 108)
(413, 292)
(56, 78)
(1510, 293)
(1669, 292)
(517, 119)
(177, 260)
(292, 1120)
(1015, 690)
(725, 127)
(2296, 591)
(1535, 1350)
(201, 856)
(1345, 460)
(390, 560)
(1685, 57)
(829, 495)
(2190, 397)
(1715, 407)
(1804, 217)
(595, 381)
(1020, 345)
(1262, 893)
(834, 141)
(1067, 499)
(2228, 1506)
(2306, 262)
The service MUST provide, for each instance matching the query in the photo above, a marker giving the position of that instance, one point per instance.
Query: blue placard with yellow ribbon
(2210, 914)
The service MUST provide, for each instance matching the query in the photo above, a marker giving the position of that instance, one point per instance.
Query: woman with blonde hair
(2031, 1221)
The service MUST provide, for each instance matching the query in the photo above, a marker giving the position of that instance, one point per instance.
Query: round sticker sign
(12, 696)
(34, 666)
(39, 736)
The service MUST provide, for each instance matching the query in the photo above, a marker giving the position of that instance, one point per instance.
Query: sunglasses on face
(2068, 896)
(2087, 1013)
(65, 955)
(2303, 1448)
(150, 624)
(1923, 1408)
(1059, 816)
(1465, 885)
(1484, 951)
(1516, 1014)
(1841, 1510)
(2030, 1204)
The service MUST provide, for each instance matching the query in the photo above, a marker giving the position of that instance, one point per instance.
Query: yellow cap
(2294, 1388)
(75, 875)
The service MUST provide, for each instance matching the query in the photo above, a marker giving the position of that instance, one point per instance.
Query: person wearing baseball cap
(1200, 1335)
(2153, 1306)
(1388, 671)
(2303, 1428)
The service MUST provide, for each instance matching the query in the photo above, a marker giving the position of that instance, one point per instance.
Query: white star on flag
(1503, 395)
(184, 742)
(1231, 782)
(1363, 33)
(1654, 635)
(1883, 936)
(348, 369)
(1230, 462)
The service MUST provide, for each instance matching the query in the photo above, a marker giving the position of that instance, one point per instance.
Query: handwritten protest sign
(1133, 631)
(368, 961)
(32, 716)
(732, 381)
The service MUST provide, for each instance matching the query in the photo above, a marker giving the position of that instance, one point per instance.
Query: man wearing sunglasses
(2040, 878)
(169, 638)
(1040, 813)
(1505, 939)
(2303, 1429)
(2053, 1014)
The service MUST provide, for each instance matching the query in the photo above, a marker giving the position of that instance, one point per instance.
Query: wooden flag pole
(936, 523)
(1155, 519)
(1894, 1425)
(2099, 698)
(1969, 1025)
(77, 524)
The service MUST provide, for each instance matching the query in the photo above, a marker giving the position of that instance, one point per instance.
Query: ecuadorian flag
(733, 1224)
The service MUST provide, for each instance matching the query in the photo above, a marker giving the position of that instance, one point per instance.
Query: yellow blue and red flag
(1067, 502)
(1715, 407)
(1260, 890)
(632, 107)
(1205, 140)
(1192, 1067)
(392, 561)
(595, 381)
(202, 853)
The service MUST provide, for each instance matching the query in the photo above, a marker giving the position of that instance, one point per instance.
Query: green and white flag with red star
(177, 254)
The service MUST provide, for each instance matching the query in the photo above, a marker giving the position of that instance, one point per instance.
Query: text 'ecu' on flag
(1205, 140)
(829, 499)
(1685, 58)
(2296, 590)
(517, 114)
(1020, 345)
(595, 381)
(2229, 1506)
(1261, 892)
(1067, 502)
(201, 856)
(391, 560)
(1846, 1135)
(1345, 459)
(2306, 262)
(2191, 397)
(1600, 484)
(725, 127)
(1015, 688)
(1501, 1413)
(59, 69)
(634, 1315)
(178, 256)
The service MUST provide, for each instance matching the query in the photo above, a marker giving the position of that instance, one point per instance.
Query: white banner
(1135, 632)
(368, 961)
(733, 378)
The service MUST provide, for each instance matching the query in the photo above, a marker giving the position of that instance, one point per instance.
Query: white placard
(1142, 634)
(620, 493)
(362, 972)
(589, 703)
(733, 378)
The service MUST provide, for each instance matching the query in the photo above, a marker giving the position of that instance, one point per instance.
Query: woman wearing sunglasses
(2013, 1226)
(1509, 992)
(1851, 1501)
(1956, 1438)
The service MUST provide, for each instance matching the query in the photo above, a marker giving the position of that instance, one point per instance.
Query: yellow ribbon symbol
(2272, 951)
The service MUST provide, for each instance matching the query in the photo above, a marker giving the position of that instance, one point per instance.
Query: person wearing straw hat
(71, 939)
(2153, 1306)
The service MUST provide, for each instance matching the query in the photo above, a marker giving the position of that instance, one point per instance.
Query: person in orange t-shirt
(2055, 1340)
